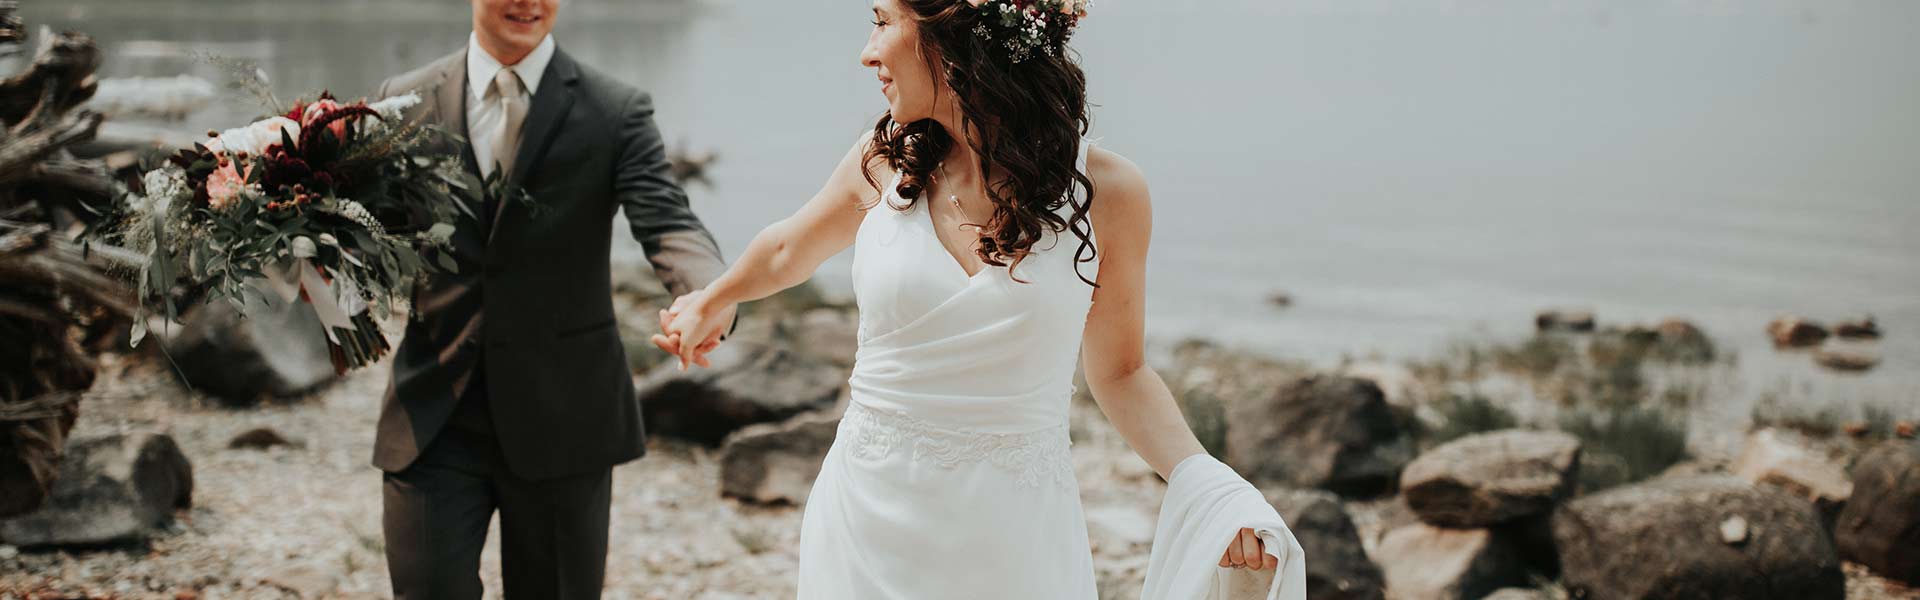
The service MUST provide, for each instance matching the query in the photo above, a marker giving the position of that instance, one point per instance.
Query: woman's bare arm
(1131, 394)
(1133, 397)
(782, 255)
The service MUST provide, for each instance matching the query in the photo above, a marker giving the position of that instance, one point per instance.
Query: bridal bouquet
(332, 204)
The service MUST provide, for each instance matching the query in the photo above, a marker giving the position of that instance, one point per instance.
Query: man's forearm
(686, 260)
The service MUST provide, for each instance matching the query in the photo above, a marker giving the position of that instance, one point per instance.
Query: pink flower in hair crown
(1066, 7)
(1026, 26)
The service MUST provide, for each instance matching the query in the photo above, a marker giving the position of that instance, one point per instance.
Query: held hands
(691, 328)
(1246, 551)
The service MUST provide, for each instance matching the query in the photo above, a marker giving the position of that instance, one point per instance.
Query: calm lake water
(1412, 172)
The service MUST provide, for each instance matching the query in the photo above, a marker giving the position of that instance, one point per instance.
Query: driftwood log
(54, 298)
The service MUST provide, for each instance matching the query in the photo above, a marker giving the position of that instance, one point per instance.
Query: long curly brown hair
(1026, 118)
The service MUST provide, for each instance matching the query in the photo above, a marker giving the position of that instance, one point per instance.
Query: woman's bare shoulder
(858, 177)
(1120, 188)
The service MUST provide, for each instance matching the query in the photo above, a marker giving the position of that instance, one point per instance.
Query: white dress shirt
(484, 118)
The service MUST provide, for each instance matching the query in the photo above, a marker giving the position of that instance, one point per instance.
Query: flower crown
(1024, 25)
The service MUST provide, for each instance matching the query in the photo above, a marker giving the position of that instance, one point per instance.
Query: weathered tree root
(51, 293)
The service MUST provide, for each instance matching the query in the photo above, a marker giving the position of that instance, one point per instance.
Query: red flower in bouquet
(314, 152)
(320, 108)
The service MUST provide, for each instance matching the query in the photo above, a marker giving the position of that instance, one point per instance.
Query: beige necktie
(507, 91)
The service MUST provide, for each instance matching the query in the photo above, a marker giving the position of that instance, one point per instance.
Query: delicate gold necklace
(955, 200)
(951, 197)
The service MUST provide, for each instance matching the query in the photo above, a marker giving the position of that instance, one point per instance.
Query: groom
(511, 391)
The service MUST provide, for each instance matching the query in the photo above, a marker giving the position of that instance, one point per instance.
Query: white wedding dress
(951, 476)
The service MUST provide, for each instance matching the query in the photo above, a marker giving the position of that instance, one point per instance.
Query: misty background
(1410, 173)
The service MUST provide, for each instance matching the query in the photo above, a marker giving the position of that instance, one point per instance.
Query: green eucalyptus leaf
(441, 233)
(445, 260)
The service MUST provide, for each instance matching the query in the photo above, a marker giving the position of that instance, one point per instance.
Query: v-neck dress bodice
(981, 352)
(951, 474)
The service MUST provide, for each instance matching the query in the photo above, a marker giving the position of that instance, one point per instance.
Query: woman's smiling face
(893, 50)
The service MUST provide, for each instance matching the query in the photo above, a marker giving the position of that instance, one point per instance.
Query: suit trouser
(553, 532)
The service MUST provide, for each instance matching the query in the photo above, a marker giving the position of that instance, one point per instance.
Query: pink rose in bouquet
(226, 182)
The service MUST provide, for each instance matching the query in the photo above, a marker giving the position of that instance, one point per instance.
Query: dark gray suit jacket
(534, 290)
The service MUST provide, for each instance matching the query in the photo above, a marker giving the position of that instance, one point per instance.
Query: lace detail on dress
(1034, 458)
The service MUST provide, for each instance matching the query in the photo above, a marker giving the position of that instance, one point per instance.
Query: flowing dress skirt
(906, 509)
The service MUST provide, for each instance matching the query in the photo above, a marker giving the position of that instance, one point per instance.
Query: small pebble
(1733, 530)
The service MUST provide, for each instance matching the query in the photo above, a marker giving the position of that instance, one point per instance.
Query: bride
(1001, 247)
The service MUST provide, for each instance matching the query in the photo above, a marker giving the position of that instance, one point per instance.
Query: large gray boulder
(1515, 593)
(1337, 565)
(1790, 331)
(1856, 358)
(1327, 432)
(1709, 536)
(1880, 525)
(829, 334)
(1490, 478)
(276, 349)
(749, 383)
(112, 489)
(1425, 562)
(1786, 459)
(776, 463)
(1564, 320)
(1863, 329)
(1206, 378)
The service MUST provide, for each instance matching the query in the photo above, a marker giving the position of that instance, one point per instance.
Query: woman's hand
(690, 318)
(1248, 552)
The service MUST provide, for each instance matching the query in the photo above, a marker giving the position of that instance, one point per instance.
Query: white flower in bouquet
(161, 185)
(390, 108)
(254, 139)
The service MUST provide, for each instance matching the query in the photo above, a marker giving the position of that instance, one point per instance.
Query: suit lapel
(450, 100)
(548, 110)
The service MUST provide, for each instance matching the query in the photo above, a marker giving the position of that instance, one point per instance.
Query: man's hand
(691, 318)
(1246, 551)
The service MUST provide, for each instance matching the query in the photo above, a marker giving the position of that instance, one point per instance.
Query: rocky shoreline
(1499, 470)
